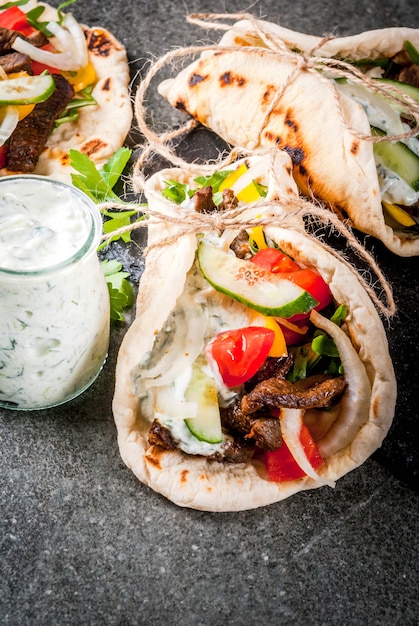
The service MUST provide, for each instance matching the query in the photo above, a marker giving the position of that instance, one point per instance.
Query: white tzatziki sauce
(162, 378)
(54, 301)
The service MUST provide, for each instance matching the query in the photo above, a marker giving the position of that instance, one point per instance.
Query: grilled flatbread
(234, 91)
(100, 128)
(175, 301)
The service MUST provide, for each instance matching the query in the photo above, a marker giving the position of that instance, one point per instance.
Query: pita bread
(231, 91)
(101, 128)
(346, 436)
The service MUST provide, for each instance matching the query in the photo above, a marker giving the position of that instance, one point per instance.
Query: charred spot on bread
(195, 79)
(100, 44)
(290, 122)
(272, 138)
(270, 89)
(228, 78)
(92, 147)
(107, 84)
(297, 154)
(180, 105)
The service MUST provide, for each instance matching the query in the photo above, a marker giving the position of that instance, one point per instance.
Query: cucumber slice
(206, 426)
(397, 157)
(252, 285)
(26, 89)
(410, 90)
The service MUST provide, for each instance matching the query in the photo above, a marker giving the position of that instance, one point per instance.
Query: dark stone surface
(83, 542)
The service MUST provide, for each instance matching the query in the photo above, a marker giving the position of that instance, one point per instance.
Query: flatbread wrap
(85, 105)
(321, 100)
(222, 402)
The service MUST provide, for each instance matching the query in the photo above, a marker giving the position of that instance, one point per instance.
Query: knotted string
(285, 212)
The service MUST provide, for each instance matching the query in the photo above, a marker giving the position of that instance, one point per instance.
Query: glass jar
(54, 300)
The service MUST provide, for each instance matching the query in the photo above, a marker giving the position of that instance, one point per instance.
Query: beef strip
(31, 134)
(229, 200)
(312, 392)
(16, 62)
(271, 368)
(203, 200)
(240, 246)
(8, 37)
(238, 451)
(161, 436)
(266, 431)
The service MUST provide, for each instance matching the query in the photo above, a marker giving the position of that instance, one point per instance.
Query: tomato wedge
(274, 260)
(239, 353)
(14, 18)
(312, 282)
(280, 463)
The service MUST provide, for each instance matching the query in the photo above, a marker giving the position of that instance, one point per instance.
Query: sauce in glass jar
(54, 300)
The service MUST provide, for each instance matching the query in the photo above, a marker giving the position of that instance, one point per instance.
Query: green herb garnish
(121, 294)
(115, 221)
(320, 354)
(98, 184)
(178, 192)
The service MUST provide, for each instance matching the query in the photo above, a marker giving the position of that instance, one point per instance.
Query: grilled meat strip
(31, 134)
(312, 392)
(16, 62)
(237, 451)
(264, 430)
(8, 37)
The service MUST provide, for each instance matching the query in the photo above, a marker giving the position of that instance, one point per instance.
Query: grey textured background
(83, 542)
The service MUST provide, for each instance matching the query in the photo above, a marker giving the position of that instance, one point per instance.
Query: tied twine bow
(285, 212)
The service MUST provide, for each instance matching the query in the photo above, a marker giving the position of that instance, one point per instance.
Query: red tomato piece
(274, 260)
(15, 19)
(292, 337)
(38, 68)
(312, 282)
(280, 463)
(239, 353)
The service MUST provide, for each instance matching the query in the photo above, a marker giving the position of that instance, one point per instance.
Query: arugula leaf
(175, 191)
(213, 180)
(98, 184)
(33, 18)
(82, 99)
(18, 3)
(320, 353)
(120, 289)
(63, 5)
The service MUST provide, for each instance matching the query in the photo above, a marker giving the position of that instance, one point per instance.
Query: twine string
(284, 212)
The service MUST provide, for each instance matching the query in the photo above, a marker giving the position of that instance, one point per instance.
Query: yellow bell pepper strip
(249, 193)
(82, 78)
(398, 214)
(279, 346)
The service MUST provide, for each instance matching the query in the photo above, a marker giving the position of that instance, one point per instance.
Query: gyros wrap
(95, 63)
(179, 312)
(269, 86)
